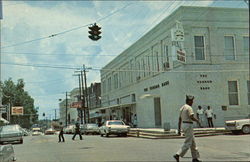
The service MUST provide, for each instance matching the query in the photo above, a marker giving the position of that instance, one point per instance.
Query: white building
(150, 80)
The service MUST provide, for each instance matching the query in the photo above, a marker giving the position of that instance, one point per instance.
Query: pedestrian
(60, 136)
(200, 115)
(77, 131)
(135, 121)
(186, 119)
(209, 113)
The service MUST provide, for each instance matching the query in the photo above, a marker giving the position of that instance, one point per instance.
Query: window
(109, 84)
(199, 47)
(104, 86)
(116, 81)
(233, 93)
(248, 91)
(246, 45)
(157, 61)
(229, 50)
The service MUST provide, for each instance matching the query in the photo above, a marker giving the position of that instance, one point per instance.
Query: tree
(15, 95)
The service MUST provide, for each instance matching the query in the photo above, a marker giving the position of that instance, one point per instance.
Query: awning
(118, 105)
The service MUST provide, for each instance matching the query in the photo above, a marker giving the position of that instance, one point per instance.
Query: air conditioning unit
(166, 65)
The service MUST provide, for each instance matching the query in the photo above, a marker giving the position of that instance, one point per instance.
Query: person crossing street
(77, 131)
(186, 119)
(60, 136)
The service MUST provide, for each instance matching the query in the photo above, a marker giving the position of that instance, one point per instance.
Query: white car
(70, 129)
(238, 125)
(116, 127)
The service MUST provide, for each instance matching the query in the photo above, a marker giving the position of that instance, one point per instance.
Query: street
(96, 148)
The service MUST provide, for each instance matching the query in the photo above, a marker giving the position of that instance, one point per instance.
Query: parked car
(50, 131)
(236, 126)
(70, 129)
(11, 133)
(116, 127)
(36, 132)
(7, 153)
(90, 128)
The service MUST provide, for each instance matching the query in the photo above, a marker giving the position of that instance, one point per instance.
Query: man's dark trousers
(210, 122)
(61, 136)
(77, 132)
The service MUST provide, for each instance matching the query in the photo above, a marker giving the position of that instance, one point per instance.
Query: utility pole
(86, 91)
(66, 117)
(84, 100)
(55, 114)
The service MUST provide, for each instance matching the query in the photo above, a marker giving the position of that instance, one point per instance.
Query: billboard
(17, 110)
(76, 104)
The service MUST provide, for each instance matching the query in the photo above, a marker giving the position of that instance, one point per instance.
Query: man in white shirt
(209, 114)
(200, 115)
(186, 119)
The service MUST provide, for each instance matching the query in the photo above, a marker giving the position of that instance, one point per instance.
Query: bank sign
(17, 110)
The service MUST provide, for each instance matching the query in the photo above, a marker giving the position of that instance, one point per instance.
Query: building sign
(181, 55)
(177, 38)
(76, 104)
(17, 110)
(156, 86)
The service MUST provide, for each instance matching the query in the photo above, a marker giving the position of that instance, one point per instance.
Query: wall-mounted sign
(76, 104)
(18, 110)
(156, 86)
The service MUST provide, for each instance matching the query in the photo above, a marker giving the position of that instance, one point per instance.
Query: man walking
(77, 131)
(186, 119)
(61, 133)
(210, 114)
(200, 115)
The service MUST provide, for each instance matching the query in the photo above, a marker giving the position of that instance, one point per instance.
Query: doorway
(157, 109)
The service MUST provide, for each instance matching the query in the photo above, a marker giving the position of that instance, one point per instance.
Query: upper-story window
(229, 48)
(248, 91)
(104, 86)
(246, 45)
(109, 84)
(233, 93)
(199, 45)
(116, 81)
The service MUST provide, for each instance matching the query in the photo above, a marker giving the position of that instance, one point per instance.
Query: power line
(101, 55)
(66, 31)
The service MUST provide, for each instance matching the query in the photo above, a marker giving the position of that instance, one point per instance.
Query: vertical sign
(177, 37)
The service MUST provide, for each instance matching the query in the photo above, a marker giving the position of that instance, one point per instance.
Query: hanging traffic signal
(95, 32)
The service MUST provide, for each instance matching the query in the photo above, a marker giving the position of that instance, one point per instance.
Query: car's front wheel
(246, 129)
(21, 142)
(106, 134)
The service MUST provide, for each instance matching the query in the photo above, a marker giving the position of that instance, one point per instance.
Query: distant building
(201, 51)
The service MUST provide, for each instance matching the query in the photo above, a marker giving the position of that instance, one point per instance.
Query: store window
(233, 93)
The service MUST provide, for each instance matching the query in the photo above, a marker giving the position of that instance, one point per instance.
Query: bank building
(199, 51)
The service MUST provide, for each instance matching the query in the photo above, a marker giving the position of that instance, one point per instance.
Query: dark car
(11, 133)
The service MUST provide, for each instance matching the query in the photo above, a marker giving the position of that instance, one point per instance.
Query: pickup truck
(236, 126)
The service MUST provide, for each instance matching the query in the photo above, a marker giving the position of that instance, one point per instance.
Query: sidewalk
(160, 133)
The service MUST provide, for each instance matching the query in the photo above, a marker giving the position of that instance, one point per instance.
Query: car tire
(235, 132)
(246, 129)
(21, 142)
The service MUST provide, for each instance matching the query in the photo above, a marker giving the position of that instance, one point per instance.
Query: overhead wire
(66, 31)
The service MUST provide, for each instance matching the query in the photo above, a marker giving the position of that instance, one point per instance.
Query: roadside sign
(17, 110)
(76, 104)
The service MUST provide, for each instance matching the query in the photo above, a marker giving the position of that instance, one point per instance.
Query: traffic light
(95, 32)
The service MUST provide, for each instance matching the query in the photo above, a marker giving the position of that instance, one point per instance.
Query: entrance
(157, 108)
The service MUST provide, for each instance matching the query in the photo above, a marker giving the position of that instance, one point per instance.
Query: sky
(47, 64)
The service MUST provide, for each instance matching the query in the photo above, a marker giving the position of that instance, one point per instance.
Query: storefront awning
(119, 105)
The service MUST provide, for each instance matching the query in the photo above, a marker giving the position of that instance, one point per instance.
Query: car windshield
(116, 123)
(9, 128)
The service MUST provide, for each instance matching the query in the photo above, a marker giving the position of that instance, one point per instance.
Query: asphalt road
(96, 148)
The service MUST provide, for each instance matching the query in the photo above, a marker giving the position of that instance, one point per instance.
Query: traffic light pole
(83, 98)
(66, 120)
(86, 91)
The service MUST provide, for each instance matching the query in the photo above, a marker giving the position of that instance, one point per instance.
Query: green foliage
(17, 96)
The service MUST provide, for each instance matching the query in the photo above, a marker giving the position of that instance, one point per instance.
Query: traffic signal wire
(66, 31)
